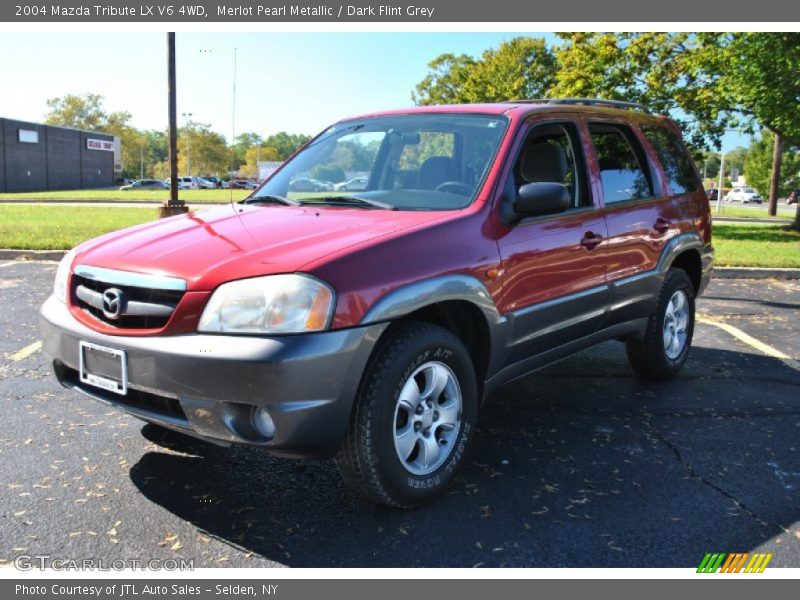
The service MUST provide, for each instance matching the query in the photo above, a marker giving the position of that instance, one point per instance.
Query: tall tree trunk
(775, 177)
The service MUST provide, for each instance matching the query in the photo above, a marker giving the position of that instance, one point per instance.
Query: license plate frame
(104, 382)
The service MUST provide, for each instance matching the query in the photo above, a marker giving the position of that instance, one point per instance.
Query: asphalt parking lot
(578, 465)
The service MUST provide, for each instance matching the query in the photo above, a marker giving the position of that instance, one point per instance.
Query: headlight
(62, 276)
(271, 304)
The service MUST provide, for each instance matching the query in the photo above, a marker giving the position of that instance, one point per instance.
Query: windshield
(408, 162)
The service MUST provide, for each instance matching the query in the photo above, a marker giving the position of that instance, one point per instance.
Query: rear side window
(672, 154)
(624, 171)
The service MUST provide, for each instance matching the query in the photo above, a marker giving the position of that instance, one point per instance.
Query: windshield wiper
(270, 199)
(356, 200)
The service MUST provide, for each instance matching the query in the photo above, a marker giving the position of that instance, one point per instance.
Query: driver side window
(552, 153)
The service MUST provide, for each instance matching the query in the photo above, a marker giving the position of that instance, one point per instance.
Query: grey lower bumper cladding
(207, 385)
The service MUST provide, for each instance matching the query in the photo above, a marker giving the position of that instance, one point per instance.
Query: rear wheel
(662, 352)
(412, 419)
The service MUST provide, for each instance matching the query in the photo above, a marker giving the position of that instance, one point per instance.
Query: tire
(653, 357)
(383, 425)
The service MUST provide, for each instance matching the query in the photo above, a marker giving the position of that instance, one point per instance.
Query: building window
(28, 136)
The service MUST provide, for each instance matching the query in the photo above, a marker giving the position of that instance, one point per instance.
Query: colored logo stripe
(734, 562)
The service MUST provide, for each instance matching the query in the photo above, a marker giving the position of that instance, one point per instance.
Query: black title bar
(407, 11)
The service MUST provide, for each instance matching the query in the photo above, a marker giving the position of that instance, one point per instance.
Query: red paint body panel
(366, 254)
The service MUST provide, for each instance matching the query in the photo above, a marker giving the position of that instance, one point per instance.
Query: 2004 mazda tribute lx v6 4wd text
(369, 326)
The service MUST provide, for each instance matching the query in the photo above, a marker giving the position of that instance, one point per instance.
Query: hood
(209, 247)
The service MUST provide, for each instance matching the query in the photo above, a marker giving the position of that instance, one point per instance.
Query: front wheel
(662, 352)
(412, 419)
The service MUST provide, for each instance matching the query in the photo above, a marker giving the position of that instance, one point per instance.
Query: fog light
(263, 423)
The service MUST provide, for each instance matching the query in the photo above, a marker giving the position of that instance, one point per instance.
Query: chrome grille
(124, 299)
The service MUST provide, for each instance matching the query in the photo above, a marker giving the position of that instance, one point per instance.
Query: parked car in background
(744, 195)
(712, 194)
(203, 183)
(184, 183)
(120, 181)
(356, 184)
(370, 327)
(215, 180)
(306, 184)
(793, 197)
(242, 184)
(145, 184)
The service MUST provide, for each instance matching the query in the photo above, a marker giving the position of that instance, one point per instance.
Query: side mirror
(541, 198)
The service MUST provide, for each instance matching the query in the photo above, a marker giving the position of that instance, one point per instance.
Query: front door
(554, 272)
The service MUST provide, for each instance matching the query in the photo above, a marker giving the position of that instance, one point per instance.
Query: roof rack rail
(587, 102)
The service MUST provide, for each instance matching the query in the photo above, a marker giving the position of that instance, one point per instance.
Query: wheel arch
(684, 252)
(459, 303)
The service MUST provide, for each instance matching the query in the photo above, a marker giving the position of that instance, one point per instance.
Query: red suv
(488, 241)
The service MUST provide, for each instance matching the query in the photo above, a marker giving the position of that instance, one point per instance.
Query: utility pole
(775, 175)
(173, 206)
(141, 161)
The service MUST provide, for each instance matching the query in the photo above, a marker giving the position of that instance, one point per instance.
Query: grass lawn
(130, 196)
(60, 227)
(756, 245)
(784, 212)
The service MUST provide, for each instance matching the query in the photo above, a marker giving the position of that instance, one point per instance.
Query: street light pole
(721, 180)
(188, 117)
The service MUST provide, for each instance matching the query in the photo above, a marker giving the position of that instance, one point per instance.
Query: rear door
(639, 217)
(554, 274)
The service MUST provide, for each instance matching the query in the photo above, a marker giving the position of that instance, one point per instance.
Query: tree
(708, 81)
(83, 112)
(522, 67)
(445, 81)
(208, 151)
(86, 112)
(758, 166)
(667, 72)
(709, 164)
(286, 143)
(759, 77)
(253, 156)
(243, 142)
(734, 161)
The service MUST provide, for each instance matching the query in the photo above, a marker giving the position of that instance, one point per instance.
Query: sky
(295, 82)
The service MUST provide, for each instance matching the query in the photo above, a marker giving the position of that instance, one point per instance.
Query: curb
(9, 254)
(755, 220)
(719, 272)
(69, 201)
(754, 273)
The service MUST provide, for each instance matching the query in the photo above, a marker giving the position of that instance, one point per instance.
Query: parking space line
(7, 264)
(26, 351)
(752, 342)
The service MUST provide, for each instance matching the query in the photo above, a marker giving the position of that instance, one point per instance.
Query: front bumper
(208, 385)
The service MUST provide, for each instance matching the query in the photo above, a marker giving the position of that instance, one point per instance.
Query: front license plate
(104, 367)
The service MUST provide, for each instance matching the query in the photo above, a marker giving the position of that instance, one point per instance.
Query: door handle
(590, 240)
(661, 225)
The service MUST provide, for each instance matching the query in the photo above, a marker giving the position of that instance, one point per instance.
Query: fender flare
(454, 287)
(689, 240)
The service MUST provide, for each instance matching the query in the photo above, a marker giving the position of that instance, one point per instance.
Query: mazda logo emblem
(112, 303)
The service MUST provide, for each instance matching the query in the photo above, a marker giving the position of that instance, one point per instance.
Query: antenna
(233, 113)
